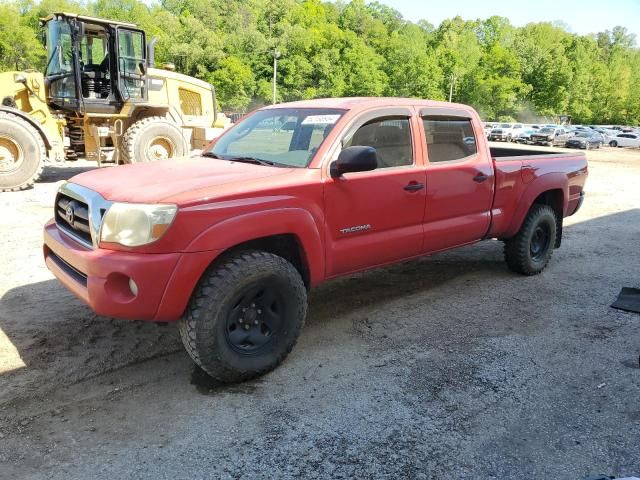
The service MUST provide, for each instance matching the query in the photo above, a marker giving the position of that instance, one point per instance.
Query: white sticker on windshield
(320, 120)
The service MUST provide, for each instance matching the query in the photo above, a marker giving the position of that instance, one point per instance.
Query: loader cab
(94, 65)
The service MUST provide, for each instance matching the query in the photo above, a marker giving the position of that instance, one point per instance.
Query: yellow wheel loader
(100, 97)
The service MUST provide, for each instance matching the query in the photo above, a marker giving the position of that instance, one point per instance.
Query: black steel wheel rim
(540, 241)
(254, 319)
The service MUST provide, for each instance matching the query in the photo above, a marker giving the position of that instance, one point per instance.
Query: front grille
(72, 215)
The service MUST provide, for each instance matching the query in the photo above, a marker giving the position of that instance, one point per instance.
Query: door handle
(414, 187)
(481, 177)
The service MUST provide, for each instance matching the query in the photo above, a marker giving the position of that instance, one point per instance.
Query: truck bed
(521, 175)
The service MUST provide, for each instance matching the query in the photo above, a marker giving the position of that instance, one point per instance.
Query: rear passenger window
(449, 138)
(390, 136)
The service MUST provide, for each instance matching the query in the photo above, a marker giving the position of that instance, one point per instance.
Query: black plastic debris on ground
(628, 300)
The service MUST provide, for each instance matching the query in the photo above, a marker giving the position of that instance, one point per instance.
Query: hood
(160, 181)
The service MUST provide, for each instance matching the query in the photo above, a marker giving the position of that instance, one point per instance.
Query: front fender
(541, 184)
(251, 226)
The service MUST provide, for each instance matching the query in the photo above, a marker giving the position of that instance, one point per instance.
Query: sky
(586, 16)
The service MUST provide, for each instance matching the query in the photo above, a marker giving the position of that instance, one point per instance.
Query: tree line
(358, 48)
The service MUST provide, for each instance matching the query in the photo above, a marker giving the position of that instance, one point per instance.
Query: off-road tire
(16, 131)
(138, 141)
(518, 251)
(205, 325)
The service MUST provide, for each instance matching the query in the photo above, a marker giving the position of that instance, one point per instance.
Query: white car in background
(487, 128)
(501, 133)
(517, 129)
(631, 140)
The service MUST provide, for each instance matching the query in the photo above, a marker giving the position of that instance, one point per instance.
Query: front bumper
(100, 277)
(542, 140)
(499, 136)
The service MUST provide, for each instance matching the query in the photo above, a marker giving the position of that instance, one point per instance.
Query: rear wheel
(613, 143)
(22, 153)
(153, 138)
(245, 316)
(530, 250)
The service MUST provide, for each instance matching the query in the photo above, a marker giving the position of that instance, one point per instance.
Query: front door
(459, 183)
(375, 217)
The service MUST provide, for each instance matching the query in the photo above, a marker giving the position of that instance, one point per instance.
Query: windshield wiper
(252, 160)
(255, 161)
(55, 50)
(211, 155)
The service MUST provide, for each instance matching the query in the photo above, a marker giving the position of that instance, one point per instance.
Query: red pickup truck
(229, 242)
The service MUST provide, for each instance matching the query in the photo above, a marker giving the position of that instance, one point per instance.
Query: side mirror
(354, 159)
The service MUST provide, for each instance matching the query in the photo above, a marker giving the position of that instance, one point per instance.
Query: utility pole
(452, 82)
(276, 55)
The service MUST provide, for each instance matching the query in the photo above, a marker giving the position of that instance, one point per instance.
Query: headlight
(134, 224)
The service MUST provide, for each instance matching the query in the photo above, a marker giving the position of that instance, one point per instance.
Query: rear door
(459, 180)
(376, 217)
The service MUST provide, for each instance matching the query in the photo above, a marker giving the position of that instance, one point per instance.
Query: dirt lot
(447, 367)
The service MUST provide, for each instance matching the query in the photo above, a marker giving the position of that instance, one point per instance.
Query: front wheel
(613, 143)
(530, 250)
(245, 316)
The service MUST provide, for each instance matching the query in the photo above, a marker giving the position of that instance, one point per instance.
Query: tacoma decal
(357, 228)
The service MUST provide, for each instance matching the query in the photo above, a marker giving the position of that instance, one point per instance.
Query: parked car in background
(584, 139)
(631, 140)
(517, 128)
(550, 136)
(487, 128)
(502, 133)
(600, 137)
(606, 133)
(524, 136)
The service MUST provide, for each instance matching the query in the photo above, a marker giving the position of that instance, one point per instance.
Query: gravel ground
(446, 367)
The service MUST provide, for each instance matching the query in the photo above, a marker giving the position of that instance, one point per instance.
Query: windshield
(583, 134)
(59, 71)
(505, 125)
(284, 136)
(546, 130)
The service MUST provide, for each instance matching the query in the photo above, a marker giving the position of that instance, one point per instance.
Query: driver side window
(390, 136)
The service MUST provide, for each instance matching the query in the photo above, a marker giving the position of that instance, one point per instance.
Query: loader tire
(22, 153)
(153, 138)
